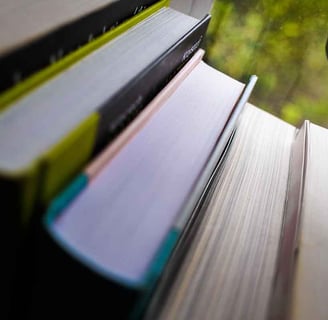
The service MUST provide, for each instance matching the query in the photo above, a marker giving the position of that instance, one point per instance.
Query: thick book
(47, 136)
(259, 247)
(116, 234)
(26, 85)
(23, 277)
(35, 34)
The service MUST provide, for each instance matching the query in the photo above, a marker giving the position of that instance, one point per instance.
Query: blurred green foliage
(283, 43)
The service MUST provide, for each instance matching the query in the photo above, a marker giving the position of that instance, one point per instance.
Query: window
(283, 43)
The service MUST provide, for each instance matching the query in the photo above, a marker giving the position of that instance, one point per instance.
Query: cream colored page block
(229, 269)
(310, 296)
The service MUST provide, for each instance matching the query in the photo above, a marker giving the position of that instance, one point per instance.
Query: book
(116, 233)
(24, 279)
(45, 156)
(42, 32)
(95, 167)
(258, 247)
(31, 173)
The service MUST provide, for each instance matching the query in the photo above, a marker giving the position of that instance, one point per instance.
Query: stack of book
(139, 182)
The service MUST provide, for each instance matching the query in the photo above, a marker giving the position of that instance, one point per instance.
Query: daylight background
(283, 43)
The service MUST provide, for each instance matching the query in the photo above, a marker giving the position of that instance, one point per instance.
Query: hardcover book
(121, 226)
(42, 155)
(258, 247)
(66, 128)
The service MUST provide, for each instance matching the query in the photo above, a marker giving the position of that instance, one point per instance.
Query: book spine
(69, 37)
(122, 108)
(40, 76)
(13, 232)
(24, 195)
